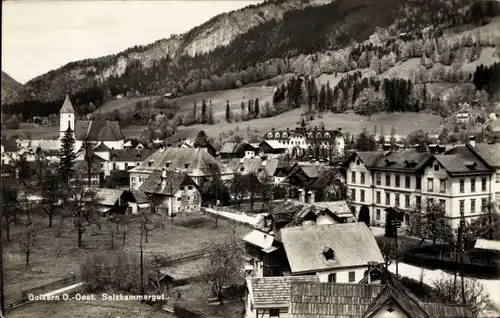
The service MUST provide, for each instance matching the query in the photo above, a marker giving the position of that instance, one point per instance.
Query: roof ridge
(338, 284)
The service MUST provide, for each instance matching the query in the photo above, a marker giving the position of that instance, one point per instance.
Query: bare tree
(28, 241)
(476, 297)
(10, 207)
(238, 188)
(82, 205)
(51, 195)
(112, 229)
(147, 225)
(90, 161)
(225, 267)
(155, 275)
(254, 188)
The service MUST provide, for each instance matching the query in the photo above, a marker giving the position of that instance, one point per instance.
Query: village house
(243, 149)
(133, 144)
(270, 296)
(301, 139)
(272, 148)
(9, 151)
(459, 179)
(82, 169)
(197, 163)
(172, 192)
(263, 255)
(334, 252)
(257, 166)
(114, 201)
(122, 159)
(491, 154)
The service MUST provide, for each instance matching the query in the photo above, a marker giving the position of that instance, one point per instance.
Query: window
(352, 277)
(397, 181)
(497, 177)
(377, 214)
(138, 164)
(418, 201)
(362, 196)
(388, 180)
(353, 177)
(430, 184)
(102, 165)
(472, 205)
(133, 179)
(242, 168)
(377, 197)
(274, 312)
(462, 206)
(126, 165)
(150, 163)
(190, 187)
(436, 167)
(378, 177)
(358, 162)
(167, 165)
(397, 199)
(462, 185)
(387, 199)
(114, 166)
(418, 184)
(181, 188)
(483, 184)
(442, 185)
(407, 182)
(484, 204)
(362, 178)
(353, 194)
(178, 199)
(472, 184)
(332, 278)
(442, 203)
(407, 201)
(186, 165)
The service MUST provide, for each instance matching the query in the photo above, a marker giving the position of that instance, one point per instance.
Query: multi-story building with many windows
(459, 179)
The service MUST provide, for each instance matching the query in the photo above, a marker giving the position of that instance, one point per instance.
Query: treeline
(487, 78)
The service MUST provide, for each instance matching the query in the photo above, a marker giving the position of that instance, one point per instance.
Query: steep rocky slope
(10, 87)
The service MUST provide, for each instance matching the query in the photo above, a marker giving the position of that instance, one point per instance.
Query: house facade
(9, 151)
(459, 179)
(172, 192)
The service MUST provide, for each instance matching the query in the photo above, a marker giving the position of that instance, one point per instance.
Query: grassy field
(56, 258)
(85, 309)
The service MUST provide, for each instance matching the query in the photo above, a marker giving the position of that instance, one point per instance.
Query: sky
(38, 36)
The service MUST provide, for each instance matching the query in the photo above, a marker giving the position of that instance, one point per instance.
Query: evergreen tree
(67, 156)
(211, 119)
(204, 118)
(195, 114)
(201, 139)
(256, 107)
(329, 96)
(393, 136)
(364, 215)
(250, 108)
(228, 112)
(242, 107)
(322, 98)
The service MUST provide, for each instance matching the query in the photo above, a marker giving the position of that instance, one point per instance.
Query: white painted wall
(325, 219)
(343, 274)
(383, 313)
(66, 120)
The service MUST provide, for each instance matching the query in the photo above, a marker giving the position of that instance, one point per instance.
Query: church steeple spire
(67, 107)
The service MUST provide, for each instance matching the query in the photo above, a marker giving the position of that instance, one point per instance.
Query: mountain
(10, 87)
(256, 43)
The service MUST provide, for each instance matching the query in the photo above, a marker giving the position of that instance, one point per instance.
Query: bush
(111, 271)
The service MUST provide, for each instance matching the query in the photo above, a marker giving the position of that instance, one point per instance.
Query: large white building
(459, 179)
(107, 132)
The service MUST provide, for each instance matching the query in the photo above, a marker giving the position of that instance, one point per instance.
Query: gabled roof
(407, 160)
(458, 160)
(199, 161)
(274, 292)
(130, 154)
(339, 208)
(98, 130)
(289, 211)
(9, 145)
(353, 245)
(140, 196)
(108, 197)
(369, 158)
(275, 144)
(95, 161)
(489, 153)
(487, 244)
(228, 147)
(101, 148)
(259, 238)
(165, 186)
(332, 300)
(67, 107)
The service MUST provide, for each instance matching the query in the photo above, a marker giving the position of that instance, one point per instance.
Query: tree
(147, 225)
(444, 134)
(211, 119)
(254, 187)
(365, 141)
(67, 157)
(224, 267)
(201, 139)
(195, 111)
(10, 207)
(392, 141)
(434, 225)
(364, 215)
(90, 161)
(51, 195)
(369, 102)
(204, 118)
(238, 188)
(228, 112)
(256, 107)
(322, 98)
(487, 226)
(28, 241)
(329, 96)
(81, 203)
(476, 297)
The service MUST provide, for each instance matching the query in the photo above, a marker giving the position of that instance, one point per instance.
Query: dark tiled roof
(332, 300)
(130, 154)
(274, 292)
(402, 160)
(446, 310)
(108, 197)
(67, 107)
(369, 158)
(81, 165)
(169, 186)
(352, 243)
(101, 147)
(98, 130)
(9, 145)
(292, 211)
(140, 196)
(457, 159)
(490, 153)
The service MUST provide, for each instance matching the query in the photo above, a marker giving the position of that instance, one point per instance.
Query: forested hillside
(310, 41)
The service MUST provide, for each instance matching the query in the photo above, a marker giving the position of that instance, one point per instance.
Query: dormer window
(150, 163)
(328, 253)
(318, 135)
(358, 162)
(242, 168)
(285, 135)
(186, 166)
(471, 165)
(167, 165)
(277, 135)
(270, 135)
(327, 135)
(436, 167)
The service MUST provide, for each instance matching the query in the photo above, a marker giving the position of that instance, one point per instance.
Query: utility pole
(396, 223)
(172, 202)
(142, 263)
(461, 234)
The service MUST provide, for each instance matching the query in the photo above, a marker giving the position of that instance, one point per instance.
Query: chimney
(472, 141)
(302, 195)
(311, 197)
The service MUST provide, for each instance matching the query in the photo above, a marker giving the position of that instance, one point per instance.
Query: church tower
(66, 117)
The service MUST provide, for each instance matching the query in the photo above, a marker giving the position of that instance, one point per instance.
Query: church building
(107, 132)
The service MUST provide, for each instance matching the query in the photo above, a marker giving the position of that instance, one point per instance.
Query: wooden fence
(58, 284)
